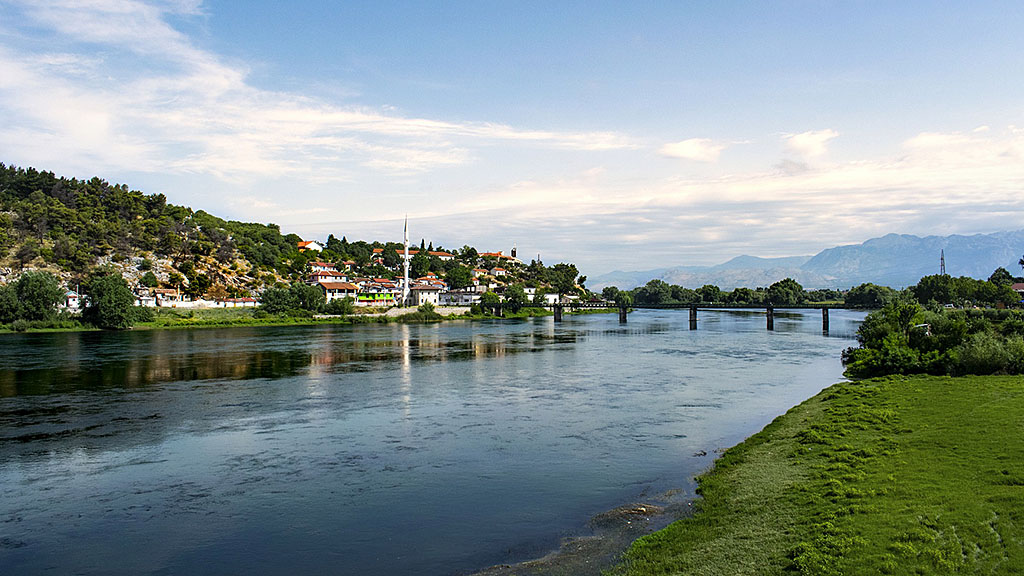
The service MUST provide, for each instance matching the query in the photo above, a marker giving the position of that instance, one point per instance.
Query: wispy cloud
(696, 149)
(128, 89)
(809, 144)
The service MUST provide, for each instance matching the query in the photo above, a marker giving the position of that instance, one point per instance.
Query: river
(430, 449)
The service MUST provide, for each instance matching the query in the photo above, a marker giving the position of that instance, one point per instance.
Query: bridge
(558, 309)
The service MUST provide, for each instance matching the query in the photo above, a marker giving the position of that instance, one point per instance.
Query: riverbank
(896, 475)
(171, 318)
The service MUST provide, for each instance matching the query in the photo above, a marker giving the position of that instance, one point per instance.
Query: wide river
(374, 449)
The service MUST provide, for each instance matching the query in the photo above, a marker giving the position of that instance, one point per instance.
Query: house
(329, 276)
(348, 264)
(72, 302)
(1018, 288)
(466, 297)
(311, 245)
(444, 256)
(246, 302)
(498, 271)
(425, 293)
(322, 267)
(334, 290)
(478, 272)
(169, 297)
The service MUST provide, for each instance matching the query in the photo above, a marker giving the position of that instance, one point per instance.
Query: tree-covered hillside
(70, 226)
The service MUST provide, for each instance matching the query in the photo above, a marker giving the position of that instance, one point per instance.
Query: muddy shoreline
(611, 533)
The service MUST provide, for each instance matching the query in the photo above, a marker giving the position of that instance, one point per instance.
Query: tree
(277, 299)
(308, 297)
(515, 297)
(340, 306)
(149, 280)
(786, 292)
(869, 295)
(38, 294)
(109, 302)
(490, 300)
(654, 292)
(10, 308)
(563, 278)
(937, 287)
(459, 277)
(1001, 277)
(391, 258)
(610, 293)
(710, 293)
(419, 265)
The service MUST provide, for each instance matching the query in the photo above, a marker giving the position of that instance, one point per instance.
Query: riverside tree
(110, 302)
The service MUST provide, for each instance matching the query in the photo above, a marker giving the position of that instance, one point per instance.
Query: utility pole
(942, 262)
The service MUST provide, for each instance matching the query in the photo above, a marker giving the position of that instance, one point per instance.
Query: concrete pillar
(558, 312)
(824, 320)
(622, 314)
(693, 317)
(771, 317)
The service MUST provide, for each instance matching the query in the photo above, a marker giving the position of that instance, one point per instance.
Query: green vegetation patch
(897, 475)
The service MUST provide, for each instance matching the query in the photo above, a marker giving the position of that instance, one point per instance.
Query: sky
(615, 135)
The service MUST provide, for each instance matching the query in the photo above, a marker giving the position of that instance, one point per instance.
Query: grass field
(896, 475)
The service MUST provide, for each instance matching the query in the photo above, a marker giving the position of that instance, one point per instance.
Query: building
(335, 290)
(322, 267)
(426, 293)
(311, 245)
(466, 297)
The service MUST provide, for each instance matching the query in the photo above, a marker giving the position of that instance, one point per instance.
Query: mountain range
(895, 260)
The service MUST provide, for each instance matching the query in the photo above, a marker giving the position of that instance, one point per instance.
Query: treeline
(932, 291)
(787, 292)
(34, 301)
(907, 338)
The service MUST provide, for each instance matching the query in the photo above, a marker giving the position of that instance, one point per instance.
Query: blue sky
(615, 135)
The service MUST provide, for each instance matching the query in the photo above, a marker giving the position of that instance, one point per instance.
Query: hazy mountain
(895, 260)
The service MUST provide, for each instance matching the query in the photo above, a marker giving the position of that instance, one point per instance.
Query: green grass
(897, 475)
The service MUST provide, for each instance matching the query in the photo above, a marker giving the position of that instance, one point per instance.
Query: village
(493, 272)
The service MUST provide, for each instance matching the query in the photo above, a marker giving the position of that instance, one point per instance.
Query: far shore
(185, 318)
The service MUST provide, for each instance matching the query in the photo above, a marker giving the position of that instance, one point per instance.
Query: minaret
(513, 249)
(405, 285)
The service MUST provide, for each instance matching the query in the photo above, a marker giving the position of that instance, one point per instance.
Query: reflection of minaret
(405, 285)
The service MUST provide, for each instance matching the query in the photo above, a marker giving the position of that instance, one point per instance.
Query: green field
(896, 475)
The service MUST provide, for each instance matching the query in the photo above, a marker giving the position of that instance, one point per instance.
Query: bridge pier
(693, 317)
(558, 312)
(824, 321)
(771, 317)
(622, 314)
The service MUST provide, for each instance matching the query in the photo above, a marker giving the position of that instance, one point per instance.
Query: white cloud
(146, 98)
(696, 149)
(809, 144)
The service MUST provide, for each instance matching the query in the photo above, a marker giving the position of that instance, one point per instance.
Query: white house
(459, 298)
(72, 301)
(334, 290)
(498, 272)
(315, 267)
(311, 245)
(424, 293)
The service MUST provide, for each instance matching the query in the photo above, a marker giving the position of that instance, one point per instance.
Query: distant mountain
(901, 259)
(895, 260)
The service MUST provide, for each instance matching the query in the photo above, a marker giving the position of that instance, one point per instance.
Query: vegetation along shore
(917, 471)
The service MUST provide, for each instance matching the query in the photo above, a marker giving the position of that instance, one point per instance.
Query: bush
(143, 314)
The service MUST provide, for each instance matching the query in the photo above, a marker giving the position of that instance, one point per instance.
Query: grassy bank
(897, 475)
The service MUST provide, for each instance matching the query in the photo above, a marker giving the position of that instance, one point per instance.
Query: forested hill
(69, 226)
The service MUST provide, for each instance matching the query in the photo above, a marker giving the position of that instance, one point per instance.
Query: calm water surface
(426, 449)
